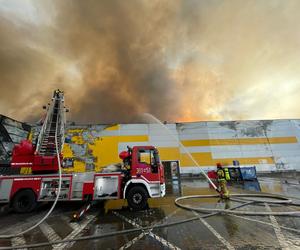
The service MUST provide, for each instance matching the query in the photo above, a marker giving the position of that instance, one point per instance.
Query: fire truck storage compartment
(49, 188)
(106, 187)
(77, 183)
(5, 187)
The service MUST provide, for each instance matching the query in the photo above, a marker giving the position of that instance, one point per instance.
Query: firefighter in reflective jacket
(223, 176)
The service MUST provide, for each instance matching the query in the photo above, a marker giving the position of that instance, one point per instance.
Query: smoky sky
(179, 60)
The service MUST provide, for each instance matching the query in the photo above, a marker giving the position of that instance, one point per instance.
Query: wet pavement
(214, 232)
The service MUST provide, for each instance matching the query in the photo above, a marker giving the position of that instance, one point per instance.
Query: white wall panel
(183, 137)
(285, 155)
(196, 149)
(108, 133)
(294, 147)
(163, 144)
(196, 170)
(170, 138)
(134, 129)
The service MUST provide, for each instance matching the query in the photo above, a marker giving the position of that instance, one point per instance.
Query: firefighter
(126, 167)
(224, 193)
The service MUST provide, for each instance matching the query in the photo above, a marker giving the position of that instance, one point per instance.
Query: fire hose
(278, 200)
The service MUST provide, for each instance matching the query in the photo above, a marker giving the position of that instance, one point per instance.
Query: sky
(180, 60)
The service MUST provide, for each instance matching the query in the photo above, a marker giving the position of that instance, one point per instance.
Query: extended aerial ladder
(54, 125)
(42, 157)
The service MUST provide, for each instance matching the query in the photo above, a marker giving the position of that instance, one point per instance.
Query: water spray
(183, 147)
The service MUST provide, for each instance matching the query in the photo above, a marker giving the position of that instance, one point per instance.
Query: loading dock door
(172, 176)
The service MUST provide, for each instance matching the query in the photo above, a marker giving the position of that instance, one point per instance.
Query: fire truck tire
(137, 198)
(24, 201)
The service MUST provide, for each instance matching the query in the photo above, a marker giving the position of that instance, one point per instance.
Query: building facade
(11, 132)
(270, 145)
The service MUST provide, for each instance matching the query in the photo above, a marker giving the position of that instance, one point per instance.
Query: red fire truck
(139, 177)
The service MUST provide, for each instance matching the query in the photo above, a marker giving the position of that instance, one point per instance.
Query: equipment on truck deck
(139, 177)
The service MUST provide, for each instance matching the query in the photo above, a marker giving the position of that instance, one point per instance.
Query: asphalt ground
(214, 232)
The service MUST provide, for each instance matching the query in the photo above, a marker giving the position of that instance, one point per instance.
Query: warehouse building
(270, 145)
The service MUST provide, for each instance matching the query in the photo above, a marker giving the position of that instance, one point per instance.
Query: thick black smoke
(125, 69)
(179, 60)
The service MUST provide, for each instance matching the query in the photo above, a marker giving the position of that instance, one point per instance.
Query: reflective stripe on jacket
(221, 175)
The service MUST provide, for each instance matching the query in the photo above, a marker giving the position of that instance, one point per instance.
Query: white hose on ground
(280, 200)
(55, 201)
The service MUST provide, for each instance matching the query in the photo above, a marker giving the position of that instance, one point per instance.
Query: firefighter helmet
(124, 154)
(219, 165)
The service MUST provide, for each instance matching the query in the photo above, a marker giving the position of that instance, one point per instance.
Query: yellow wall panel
(242, 141)
(67, 151)
(77, 139)
(113, 127)
(195, 143)
(75, 131)
(169, 153)
(79, 166)
(205, 159)
(274, 140)
(245, 161)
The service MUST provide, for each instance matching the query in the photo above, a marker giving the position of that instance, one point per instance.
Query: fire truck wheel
(137, 198)
(24, 201)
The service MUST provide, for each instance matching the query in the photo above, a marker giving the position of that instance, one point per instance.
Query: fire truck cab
(139, 177)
